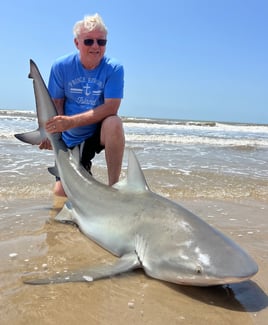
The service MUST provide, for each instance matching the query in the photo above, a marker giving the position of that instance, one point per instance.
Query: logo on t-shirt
(86, 91)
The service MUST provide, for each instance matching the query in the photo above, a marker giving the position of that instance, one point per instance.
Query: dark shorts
(89, 148)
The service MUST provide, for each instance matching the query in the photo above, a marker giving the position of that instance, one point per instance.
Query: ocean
(193, 158)
(219, 171)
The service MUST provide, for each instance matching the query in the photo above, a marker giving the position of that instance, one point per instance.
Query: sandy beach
(218, 172)
(32, 242)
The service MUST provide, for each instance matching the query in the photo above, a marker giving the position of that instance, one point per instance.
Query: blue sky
(183, 59)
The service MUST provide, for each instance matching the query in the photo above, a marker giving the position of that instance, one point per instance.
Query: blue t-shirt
(84, 89)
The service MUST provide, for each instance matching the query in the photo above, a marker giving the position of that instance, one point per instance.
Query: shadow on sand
(245, 296)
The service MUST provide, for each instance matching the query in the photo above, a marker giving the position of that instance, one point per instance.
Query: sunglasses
(90, 42)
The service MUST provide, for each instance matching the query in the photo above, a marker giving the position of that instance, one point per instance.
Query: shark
(141, 228)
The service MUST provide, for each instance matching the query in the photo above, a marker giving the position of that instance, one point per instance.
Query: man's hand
(59, 123)
(56, 124)
(45, 144)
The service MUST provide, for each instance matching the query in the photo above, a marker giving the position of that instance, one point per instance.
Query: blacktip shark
(143, 229)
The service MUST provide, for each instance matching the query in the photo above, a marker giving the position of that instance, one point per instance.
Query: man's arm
(59, 104)
(62, 123)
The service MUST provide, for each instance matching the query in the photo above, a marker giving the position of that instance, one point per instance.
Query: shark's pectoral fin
(124, 264)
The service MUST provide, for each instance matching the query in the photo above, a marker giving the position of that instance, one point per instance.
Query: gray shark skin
(144, 230)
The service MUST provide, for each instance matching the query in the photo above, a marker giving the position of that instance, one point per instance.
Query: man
(87, 88)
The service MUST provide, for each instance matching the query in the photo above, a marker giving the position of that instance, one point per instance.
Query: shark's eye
(198, 269)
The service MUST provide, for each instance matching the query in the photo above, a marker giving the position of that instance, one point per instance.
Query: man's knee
(111, 126)
(112, 122)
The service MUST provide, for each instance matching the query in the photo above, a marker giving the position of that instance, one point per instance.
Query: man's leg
(89, 148)
(58, 189)
(113, 139)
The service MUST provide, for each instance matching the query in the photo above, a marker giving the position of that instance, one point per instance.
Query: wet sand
(32, 242)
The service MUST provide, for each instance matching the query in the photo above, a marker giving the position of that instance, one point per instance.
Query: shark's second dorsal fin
(135, 181)
(65, 215)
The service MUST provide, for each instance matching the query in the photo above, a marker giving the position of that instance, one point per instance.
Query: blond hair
(89, 23)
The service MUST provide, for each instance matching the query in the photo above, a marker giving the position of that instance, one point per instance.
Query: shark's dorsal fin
(135, 181)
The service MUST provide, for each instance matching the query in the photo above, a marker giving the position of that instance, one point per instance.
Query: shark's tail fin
(44, 108)
(33, 137)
